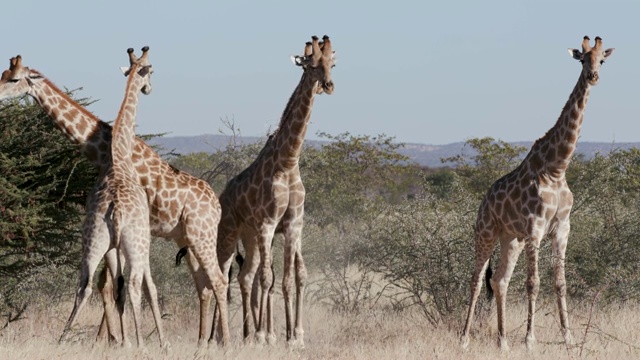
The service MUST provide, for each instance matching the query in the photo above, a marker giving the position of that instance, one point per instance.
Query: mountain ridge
(424, 154)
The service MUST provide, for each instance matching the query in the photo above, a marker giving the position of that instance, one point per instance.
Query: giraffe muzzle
(327, 87)
(593, 77)
(146, 89)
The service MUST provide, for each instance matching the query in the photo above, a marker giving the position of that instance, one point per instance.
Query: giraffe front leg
(484, 248)
(294, 270)
(266, 280)
(271, 333)
(559, 250)
(533, 288)
(301, 280)
(287, 285)
(509, 252)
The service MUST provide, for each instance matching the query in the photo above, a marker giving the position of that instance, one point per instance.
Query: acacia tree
(348, 181)
(603, 249)
(219, 167)
(487, 161)
(345, 176)
(43, 185)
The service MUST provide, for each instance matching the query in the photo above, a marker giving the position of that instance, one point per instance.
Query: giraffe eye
(601, 62)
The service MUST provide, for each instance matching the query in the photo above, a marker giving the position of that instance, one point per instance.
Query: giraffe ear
(297, 60)
(576, 54)
(608, 52)
(125, 70)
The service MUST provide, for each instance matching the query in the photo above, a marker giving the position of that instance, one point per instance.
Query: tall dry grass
(612, 333)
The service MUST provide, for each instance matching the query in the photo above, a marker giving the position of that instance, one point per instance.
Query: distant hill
(423, 154)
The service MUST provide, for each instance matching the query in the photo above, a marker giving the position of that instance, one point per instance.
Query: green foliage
(219, 167)
(603, 248)
(349, 173)
(423, 247)
(488, 161)
(43, 185)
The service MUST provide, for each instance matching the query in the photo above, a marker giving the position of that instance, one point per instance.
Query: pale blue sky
(422, 71)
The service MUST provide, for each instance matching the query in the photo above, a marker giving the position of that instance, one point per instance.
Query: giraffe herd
(139, 195)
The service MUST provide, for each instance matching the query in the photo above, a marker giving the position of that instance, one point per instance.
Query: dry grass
(612, 333)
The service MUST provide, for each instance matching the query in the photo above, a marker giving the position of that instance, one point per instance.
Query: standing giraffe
(269, 194)
(129, 209)
(531, 202)
(182, 207)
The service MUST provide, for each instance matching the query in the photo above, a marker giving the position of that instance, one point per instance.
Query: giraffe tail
(181, 253)
(239, 260)
(487, 281)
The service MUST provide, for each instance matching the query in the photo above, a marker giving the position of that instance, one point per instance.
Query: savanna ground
(375, 334)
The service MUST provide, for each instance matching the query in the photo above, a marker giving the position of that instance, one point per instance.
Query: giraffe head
(18, 80)
(317, 61)
(141, 67)
(591, 58)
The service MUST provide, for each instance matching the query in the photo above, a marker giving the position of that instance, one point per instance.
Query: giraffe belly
(163, 227)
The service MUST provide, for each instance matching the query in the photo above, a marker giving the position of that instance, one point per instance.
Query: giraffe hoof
(166, 348)
(504, 347)
(271, 339)
(295, 344)
(464, 342)
(530, 342)
(567, 338)
(260, 338)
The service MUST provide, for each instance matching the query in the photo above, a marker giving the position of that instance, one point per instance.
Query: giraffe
(532, 202)
(182, 208)
(129, 209)
(268, 197)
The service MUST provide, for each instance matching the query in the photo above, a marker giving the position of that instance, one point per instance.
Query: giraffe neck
(289, 136)
(124, 134)
(76, 123)
(554, 150)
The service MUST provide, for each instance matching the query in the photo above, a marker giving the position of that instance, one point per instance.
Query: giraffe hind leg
(204, 294)
(91, 258)
(82, 295)
(249, 292)
(112, 274)
(207, 260)
(152, 295)
(484, 249)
